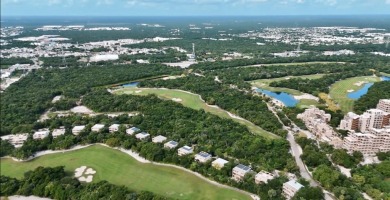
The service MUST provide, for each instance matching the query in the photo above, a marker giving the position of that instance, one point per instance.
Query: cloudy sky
(191, 7)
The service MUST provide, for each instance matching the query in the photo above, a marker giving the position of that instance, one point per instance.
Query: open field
(339, 91)
(121, 169)
(264, 83)
(193, 101)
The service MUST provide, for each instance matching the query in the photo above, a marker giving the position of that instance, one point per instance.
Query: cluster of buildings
(17, 140)
(316, 121)
(369, 132)
(79, 28)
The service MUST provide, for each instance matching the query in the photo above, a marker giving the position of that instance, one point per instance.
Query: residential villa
(185, 150)
(132, 130)
(263, 177)
(142, 136)
(113, 128)
(58, 132)
(77, 129)
(171, 144)
(40, 134)
(202, 157)
(219, 163)
(290, 188)
(16, 140)
(240, 171)
(97, 127)
(159, 139)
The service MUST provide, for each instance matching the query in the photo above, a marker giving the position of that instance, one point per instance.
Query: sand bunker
(360, 83)
(350, 90)
(177, 99)
(87, 172)
(138, 91)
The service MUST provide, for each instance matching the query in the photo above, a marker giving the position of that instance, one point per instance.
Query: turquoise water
(132, 84)
(286, 98)
(359, 93)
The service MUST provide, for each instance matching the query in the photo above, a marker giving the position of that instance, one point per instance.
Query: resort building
(142, 136)
(239, 172)
(97, 127)
(290, 188)
(202, 157)
(159, 139)
(40, 134)
(77, 129)
(132, 130)
(372, 118)
(263, 177)
(316, 121)
(113, 128)
(185, 150)
(16, 140)
(219, 163)
(350, 122)
(369, 142)
(384, 104)
(58, 132)
(171, 144)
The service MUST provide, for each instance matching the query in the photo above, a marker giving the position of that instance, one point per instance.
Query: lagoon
(286, 98)
(132, 84)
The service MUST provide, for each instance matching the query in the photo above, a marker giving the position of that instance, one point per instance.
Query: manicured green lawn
(264, 83)
(193, 101)
(339, 91)
(119, 168)
(305, 103)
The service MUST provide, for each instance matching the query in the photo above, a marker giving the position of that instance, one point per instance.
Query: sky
(192, 7)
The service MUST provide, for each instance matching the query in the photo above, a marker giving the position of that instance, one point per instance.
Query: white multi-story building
(185, 151)
(17, 140)
(77, 129)
(40, 134)
(58, 132)
(316, 121)
(171, 144)
(97, 127)
(239, 172)
(384, 104)
(290, 188)
(263, 177)
(202, 157)
(373, 118)
(113, 128)
(350, 122)
(219, 163)
(142, 136)
(368, 143)
(159, 139)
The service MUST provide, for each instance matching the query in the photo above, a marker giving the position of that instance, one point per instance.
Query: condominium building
(372, 118)
(316, 121)
(290, 188)
(202, 157)
(350, 122)
(219, 163)
(185, 150)
(17, 140)
(384, 104)
(369, 142)
(58, 132)
(40, 134)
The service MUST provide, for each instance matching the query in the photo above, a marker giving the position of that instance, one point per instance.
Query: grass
(119, 168)
(193, 101)
(331, 104)
(339, 91)
(264, 83)
(305, 103)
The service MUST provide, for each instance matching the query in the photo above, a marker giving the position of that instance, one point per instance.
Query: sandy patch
(90, 171)
(79, 171)
(360, 83)
(138, 91)
(306, 96)
(345, 171)
(350, 90)
(17, 197)
(84, 174)
(56, 98)
(81, 109)
(177, 99)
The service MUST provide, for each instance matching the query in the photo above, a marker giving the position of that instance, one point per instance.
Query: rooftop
(243, 167)
(294, 184)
